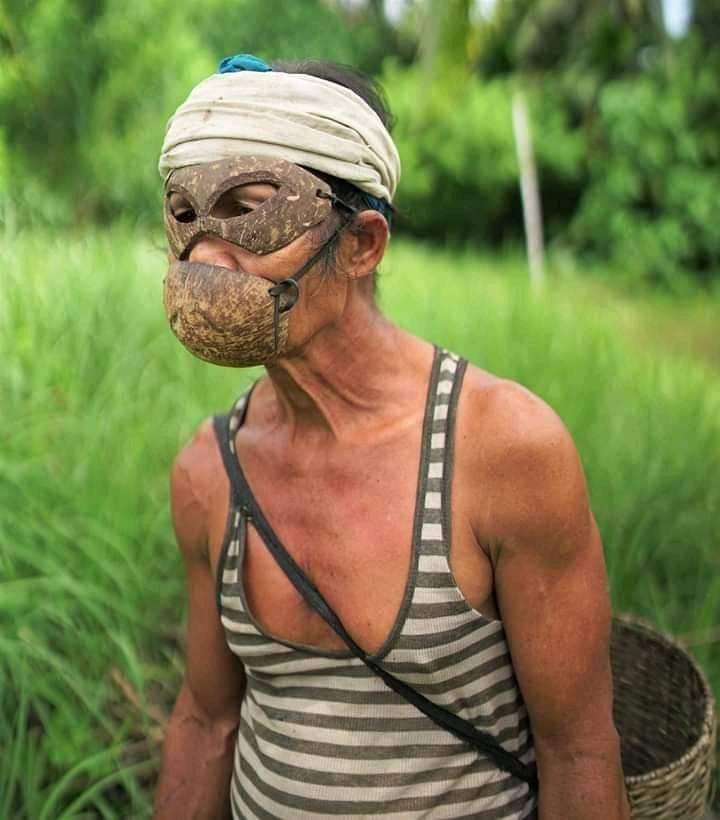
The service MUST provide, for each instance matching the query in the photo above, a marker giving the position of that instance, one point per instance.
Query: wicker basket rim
(707, 733)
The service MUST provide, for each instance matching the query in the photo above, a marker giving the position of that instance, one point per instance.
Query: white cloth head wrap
(305, 120)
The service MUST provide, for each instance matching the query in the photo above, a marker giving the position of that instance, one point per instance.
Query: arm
(199, 743)
(551, 590)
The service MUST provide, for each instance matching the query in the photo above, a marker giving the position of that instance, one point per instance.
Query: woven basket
(665, 714)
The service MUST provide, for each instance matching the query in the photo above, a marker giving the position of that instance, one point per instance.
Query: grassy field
(96, 396)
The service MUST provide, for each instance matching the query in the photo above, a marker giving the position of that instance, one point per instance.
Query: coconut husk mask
(229, 317)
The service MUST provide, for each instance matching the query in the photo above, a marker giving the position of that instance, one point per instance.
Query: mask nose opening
(187, 250)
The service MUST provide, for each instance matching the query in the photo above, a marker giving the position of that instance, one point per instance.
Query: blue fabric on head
(382, 205)
(242, 62)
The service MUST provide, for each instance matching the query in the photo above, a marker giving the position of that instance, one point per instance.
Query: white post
(532, 211)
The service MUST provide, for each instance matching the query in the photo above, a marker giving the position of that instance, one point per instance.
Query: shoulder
(520, 422)
(193, 483)
(521, 458)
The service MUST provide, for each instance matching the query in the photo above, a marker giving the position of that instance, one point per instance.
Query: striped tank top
(322, 736)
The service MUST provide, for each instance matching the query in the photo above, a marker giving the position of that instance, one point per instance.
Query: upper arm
(550, 580)
(213, 676)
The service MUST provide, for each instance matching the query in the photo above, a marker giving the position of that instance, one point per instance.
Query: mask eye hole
(242, 199)
(181, 208)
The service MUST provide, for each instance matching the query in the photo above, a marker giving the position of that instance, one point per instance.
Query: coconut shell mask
(225, 317)
(229, 317)
(301, 200)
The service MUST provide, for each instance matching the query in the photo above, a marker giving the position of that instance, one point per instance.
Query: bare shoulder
(522, 458)
(193, 484)
(508, 417)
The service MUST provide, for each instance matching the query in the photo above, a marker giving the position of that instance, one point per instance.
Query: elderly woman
(397, 596)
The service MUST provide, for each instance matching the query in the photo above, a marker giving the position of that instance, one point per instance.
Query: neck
(356, 373)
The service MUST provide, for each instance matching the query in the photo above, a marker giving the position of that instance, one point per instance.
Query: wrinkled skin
(223, 316)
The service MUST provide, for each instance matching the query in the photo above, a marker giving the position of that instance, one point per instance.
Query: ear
(364, 245)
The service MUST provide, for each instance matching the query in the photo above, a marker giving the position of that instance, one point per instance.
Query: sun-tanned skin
(331, 447)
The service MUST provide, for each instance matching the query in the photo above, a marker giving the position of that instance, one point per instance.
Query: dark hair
(371, 93)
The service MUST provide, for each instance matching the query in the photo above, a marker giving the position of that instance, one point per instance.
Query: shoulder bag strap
(462, 729)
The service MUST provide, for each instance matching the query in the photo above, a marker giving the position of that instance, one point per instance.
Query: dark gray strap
(289, 287)
(462, 729)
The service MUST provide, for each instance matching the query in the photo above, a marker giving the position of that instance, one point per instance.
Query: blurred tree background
(624, 112)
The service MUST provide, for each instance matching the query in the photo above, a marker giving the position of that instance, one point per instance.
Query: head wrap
(302, 119)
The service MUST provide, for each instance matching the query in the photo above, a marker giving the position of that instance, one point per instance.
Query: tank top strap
(226, 426)
(236, 416)
(437, 456)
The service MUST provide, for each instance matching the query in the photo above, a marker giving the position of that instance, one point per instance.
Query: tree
(603, 38)
(86, 86)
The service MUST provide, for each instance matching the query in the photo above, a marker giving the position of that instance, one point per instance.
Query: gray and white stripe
(322, 736)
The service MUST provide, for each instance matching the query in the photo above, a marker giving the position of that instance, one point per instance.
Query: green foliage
(86, 88)
(142, 84)
(597, 38)
(649, 203)
(625, 121)
(90, 583)
(460, 177)
(644, 109)
(97, 396)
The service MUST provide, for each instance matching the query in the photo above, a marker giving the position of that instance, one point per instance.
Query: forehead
(206, 178)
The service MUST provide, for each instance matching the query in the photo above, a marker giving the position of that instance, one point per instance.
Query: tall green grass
(95, 398)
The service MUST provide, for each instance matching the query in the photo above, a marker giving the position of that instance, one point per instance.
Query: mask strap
(288, 288)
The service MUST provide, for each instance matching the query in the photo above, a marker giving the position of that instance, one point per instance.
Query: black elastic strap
(462, 729)
(289, 287)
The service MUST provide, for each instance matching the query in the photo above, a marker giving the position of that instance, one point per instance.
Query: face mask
(301, 200)
(225, 317)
